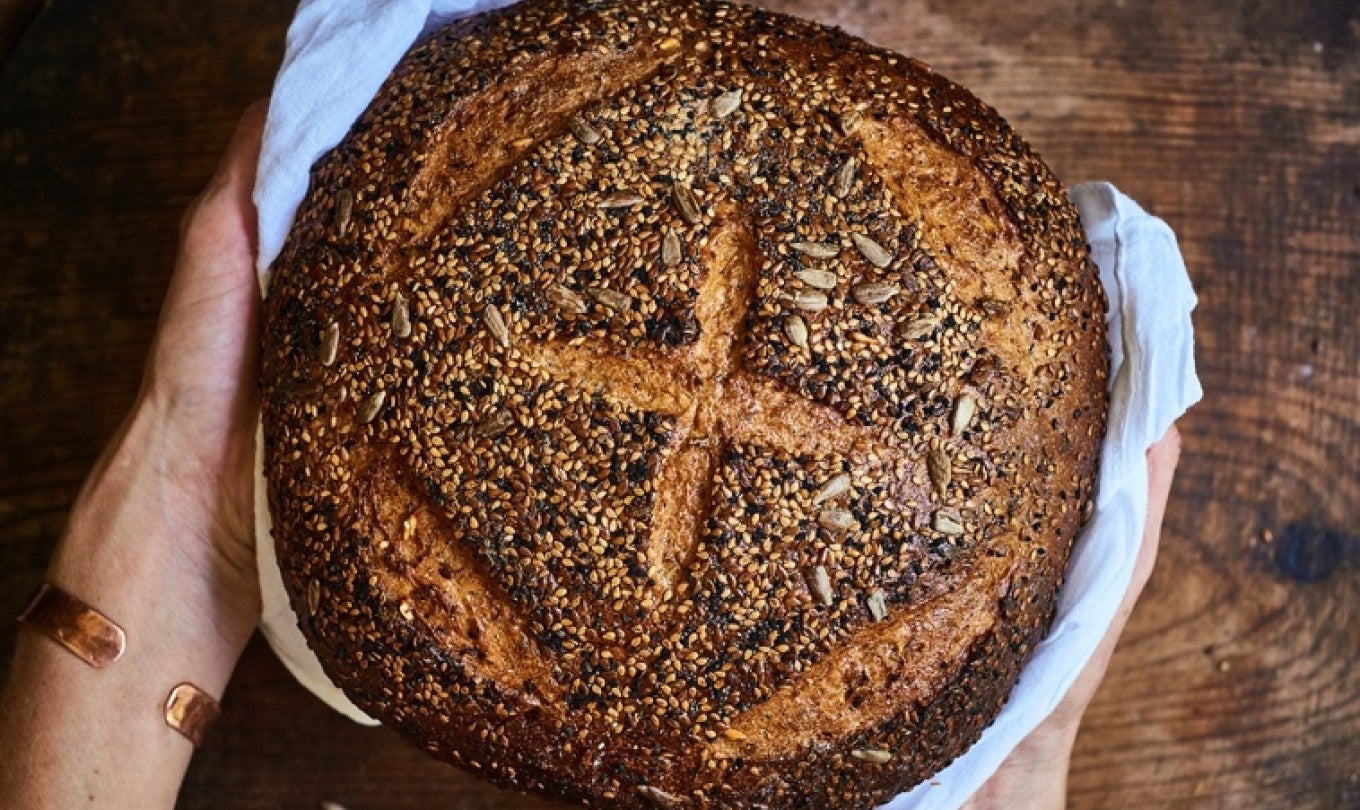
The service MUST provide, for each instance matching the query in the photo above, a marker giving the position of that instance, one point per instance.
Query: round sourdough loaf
(680, 404)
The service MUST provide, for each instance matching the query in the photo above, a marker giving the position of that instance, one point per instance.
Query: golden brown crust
(678, 403)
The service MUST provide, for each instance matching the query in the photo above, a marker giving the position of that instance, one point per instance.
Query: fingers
(1162, 459)
(222, 217)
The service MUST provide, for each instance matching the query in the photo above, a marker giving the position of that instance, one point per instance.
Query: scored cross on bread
(714, 401)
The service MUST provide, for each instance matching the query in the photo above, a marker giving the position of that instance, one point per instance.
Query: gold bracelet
(85, 632)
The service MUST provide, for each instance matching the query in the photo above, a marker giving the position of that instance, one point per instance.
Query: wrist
(144, 539)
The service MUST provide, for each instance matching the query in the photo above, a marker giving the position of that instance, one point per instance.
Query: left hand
(161, 538)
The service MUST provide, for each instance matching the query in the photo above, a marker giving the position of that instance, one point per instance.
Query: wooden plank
(1238, 122)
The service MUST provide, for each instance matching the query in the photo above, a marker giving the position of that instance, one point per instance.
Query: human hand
(1035, 773)
(161, 537)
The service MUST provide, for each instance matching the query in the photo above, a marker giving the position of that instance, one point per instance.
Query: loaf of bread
(671, 403)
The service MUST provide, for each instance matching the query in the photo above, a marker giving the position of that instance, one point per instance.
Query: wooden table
(1238, 121)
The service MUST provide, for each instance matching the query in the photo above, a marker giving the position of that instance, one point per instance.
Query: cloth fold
(338, 54)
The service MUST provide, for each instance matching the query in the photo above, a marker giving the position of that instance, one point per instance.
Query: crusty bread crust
(676, 403)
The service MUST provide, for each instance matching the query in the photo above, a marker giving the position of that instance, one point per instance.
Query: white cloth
(338, 54)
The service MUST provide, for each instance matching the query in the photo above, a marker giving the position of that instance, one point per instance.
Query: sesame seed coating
(679, 403)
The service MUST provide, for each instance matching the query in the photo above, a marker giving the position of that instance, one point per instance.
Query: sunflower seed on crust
(963, 414)
(584, 132)
(918, 328)
(726, 104)
(850, 121)
(372, 406)
(621, 199)
(872, 251)
(659, 796)
(330, 344)
(837, 520)
(809, 301)
(819, 583)
(795, 329)
(817, 279)
(947, 523)
(940, 469)
(874, 756)
(494, 425)
(613, 299)
(875, 292)
(566, 299)
(496, 324)
(834, 487)
(817, 250)
(687, 204)
(672, 249)
(344, 209)
(845, 177)
(401, 317)
(877, 604)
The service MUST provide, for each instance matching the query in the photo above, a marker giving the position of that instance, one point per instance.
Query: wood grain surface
(1237, 121)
